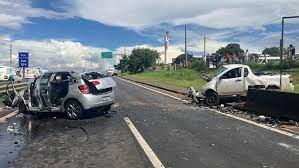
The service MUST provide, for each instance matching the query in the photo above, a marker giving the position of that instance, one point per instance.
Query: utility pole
(204, 46)
(281, 45)
(186, 57)
(10, 54)
(166, 40)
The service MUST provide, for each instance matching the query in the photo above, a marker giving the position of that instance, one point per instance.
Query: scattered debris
(115, 105)
(185, 158)
(21, 115)
(108, 115)
(262, 118)
(292, 122)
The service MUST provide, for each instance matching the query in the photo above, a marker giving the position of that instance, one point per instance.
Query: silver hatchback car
(67, 92)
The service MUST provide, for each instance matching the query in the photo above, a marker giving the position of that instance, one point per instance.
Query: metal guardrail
(17, 86)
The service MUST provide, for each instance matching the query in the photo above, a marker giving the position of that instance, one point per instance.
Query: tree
(273, 51)
(230, 49)
(181, 59)
(123, 64)
(140, 60)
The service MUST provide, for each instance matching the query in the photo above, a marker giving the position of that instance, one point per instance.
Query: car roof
(232, 66)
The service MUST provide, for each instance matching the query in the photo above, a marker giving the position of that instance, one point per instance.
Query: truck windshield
(219, 71)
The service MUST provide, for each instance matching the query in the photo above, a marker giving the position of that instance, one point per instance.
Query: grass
(180, 79)
(295, 74)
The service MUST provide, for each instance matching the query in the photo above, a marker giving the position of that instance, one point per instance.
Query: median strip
(4, 118)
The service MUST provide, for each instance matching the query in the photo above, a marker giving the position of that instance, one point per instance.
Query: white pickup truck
(235, 79)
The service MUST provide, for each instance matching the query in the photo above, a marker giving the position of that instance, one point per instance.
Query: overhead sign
(106, 55)
(23, 60)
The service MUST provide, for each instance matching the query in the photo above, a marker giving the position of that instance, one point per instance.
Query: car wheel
(272, 87)
(212, 98)
(22, 108)
(73, 110)
(107, 108)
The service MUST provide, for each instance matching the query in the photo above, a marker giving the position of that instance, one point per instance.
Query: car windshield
(219, 71)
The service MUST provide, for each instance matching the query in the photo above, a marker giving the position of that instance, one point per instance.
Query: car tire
(212, 98)
(107, 108)
(272, 87)
(22, 108)
(73, 110)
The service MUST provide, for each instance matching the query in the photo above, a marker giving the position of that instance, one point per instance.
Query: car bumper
(90, 101)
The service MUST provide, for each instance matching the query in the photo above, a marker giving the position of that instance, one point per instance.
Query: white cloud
(212, 13)
(15, 13)
(57, 55)
(172, 52)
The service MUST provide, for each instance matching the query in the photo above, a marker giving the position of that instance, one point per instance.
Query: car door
(43, 91)
(231, 82)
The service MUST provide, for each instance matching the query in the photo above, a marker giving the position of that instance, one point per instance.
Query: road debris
(212, 144)
(262, 118)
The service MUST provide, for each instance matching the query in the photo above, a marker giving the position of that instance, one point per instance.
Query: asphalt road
(180, 136)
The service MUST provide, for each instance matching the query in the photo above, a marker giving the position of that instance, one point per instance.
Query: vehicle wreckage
(68, 92)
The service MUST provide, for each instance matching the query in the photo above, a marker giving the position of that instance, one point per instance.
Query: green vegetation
(295, 75)
(180, 79)
(140, 60)
(230, 49)
(273, 51)
(273, 65)
(199, 66)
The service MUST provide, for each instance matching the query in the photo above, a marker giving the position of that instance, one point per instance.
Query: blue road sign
(23, 60)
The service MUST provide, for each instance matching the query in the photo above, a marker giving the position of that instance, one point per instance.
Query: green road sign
(106, 55)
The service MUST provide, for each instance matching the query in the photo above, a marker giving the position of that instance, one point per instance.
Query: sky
(71, 34)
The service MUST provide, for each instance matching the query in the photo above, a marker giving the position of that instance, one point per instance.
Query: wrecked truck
(67, 92)
(234, 80)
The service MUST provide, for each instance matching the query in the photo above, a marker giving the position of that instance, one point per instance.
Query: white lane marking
(146, 148)
(289, 147)
(225, 114)
(4, 118)
(153, 90)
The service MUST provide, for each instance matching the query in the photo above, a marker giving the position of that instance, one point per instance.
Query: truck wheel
(73, 110)
(212, 98)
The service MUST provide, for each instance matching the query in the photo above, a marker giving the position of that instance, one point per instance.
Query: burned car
(67, 92)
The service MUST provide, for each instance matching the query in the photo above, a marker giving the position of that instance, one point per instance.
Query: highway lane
(179, 135)
(183, 136)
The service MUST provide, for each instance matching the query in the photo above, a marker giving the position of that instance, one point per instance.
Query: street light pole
(282, 44)
(204, 46)
(166, 41)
